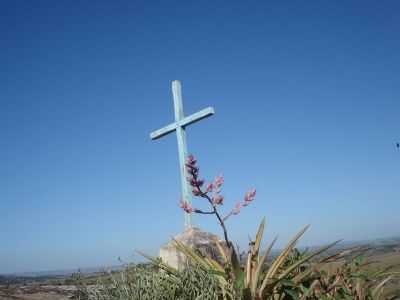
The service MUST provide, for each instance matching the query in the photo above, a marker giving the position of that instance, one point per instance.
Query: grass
(195, 283)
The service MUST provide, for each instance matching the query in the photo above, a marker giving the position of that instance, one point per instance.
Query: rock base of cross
(201, 241)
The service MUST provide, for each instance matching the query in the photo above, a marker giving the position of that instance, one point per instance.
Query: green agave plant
(290, 275)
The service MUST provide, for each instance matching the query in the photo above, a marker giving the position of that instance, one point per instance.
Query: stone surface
(201, 241)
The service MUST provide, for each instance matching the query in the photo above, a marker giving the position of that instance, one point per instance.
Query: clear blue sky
(307, 100)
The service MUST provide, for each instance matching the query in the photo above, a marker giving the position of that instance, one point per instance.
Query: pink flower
(191, 160)
(186, 207)
(195, 183)
(218, 200)
(219, 180)
(250, 196)
(196, 191)
(209, 188)
(193, 170)
(237, 208)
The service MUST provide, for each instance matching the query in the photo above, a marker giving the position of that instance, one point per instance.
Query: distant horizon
(306, 98)
(143, 260)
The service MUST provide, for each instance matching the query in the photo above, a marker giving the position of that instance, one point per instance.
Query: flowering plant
(289, 275)
(212, 193)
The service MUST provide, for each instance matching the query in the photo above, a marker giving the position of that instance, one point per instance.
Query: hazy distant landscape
(60, 285)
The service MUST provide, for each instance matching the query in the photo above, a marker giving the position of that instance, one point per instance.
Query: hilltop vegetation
(58, 287)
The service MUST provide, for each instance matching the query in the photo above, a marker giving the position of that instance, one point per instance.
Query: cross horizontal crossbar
(204, 113)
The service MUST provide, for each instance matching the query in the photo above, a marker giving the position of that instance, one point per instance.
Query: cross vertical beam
(182, 148)
(180, 127)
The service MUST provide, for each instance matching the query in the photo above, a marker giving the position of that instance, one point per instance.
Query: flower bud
(196, 191)
(209, 188)
(218, 200)
(250, 196)
(191, 160)
(192, 181)
(186, 206)
(219, 180)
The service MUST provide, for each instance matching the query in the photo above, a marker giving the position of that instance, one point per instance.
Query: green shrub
(140, 283)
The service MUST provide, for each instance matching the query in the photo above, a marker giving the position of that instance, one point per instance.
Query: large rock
(203, 242)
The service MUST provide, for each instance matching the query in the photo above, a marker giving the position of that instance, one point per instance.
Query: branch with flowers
(212, 193)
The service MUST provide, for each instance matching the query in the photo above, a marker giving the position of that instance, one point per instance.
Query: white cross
(179, 126)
